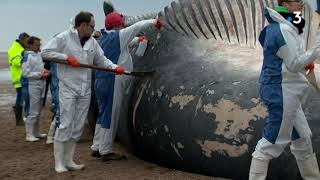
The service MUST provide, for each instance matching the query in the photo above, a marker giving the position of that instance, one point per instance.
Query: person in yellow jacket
(15, 55)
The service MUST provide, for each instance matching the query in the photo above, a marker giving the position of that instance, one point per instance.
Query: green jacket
(15, 55)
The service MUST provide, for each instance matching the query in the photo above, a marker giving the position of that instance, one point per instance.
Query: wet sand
(25, 160)
(3, 60)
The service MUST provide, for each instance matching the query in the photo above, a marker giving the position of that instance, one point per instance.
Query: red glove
(309, 67)
(73, 61)
(119, 70)
(141, 38)
(158, 24)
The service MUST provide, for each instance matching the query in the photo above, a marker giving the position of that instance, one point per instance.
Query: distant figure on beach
(33, 69)
(15, 55)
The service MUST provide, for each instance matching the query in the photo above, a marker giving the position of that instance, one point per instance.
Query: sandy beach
(3, 60)
(25, 160)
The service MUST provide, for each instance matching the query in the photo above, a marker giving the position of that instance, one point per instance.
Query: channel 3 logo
(297, 19)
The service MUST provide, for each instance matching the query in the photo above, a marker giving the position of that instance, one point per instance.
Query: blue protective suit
(110, 89)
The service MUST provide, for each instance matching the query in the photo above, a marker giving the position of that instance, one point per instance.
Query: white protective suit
(74, 91)
(74, 83)
(31, 69)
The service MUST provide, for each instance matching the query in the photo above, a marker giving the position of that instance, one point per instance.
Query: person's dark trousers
(18, 107)
(25, 96)
(21, 99)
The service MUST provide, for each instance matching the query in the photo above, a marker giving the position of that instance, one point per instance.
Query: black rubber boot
(18, 115)
(113, 156)
(95, 154)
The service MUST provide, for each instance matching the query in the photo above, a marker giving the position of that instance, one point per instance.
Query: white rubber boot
(29, 133)
(59, 148)
(309, 168)
(96, 138)
(70, 147)
(258, 169)
(51, 131)
(37, 131)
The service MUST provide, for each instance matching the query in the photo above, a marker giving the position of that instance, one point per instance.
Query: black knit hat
(23, 35)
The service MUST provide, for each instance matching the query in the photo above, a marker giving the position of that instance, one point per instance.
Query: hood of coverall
(274, 17)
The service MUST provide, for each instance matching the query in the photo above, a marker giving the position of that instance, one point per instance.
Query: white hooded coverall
(74, 83)
(283, 85)
(31, 69)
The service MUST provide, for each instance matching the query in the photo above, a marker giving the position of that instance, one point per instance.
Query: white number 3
(298, 16)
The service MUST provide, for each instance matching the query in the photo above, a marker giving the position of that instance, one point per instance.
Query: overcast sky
(45, 18)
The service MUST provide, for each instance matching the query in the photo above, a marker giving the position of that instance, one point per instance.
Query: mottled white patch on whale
(210, 92)
(231, 118)
(199, 105)
(182, 100)
(176, 150)
(209, 147)
(166, 128)
(180, 146)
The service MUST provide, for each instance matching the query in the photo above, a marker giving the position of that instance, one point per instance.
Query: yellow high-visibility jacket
(15, 55)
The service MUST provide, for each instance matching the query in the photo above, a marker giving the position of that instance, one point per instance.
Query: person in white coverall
(33, 70)
(110, 89)
(75, 46)
(283, 85)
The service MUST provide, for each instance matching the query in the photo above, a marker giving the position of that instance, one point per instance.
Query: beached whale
(201, 112)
